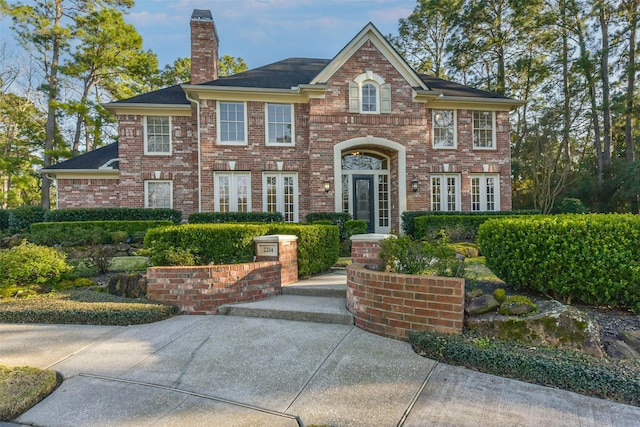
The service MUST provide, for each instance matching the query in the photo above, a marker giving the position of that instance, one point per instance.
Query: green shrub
(4, 219)
(500, 294)
(30, 264)
(89, 232)
(570, 205)
(337, 218)
(112, 214)
(574, 371)
(226, 217)
(355, 226)
(99, 258)
(20, 219)
(217, 243)
(592, 258)
(408, 217)
(408, 256)
(318, 245)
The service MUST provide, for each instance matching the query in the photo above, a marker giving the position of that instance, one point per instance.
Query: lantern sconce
(327, 186)
(414, 184)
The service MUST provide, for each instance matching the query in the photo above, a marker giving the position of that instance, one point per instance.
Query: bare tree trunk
(632, 7)
(566, 90)
(50, 127)
(606, 89)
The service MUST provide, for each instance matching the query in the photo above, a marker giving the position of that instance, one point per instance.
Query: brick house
(360, 133)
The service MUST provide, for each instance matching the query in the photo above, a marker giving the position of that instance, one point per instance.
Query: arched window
(368, 93)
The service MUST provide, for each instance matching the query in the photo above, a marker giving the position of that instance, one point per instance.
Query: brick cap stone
(371, 237)
(275, 238)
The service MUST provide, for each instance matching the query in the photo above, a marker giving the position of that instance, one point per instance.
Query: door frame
(371, 222)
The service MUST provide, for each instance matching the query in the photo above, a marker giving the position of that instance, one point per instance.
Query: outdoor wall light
(414, 184)
(327, 187)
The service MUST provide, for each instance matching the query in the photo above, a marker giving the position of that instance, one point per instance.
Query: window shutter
(385, 98)
(354, 97)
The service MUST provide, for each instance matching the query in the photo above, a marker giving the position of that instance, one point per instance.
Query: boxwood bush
(594, 258)
(408, 218)
(336, 218)
(318, 245)
(209, 243)
(112, 214)
(21, 218)
(233, 243)
(89, 232)
(565, 369)
(225, 217)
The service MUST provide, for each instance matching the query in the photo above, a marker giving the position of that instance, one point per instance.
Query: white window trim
(218, 123)
(280, 195)
(483, 191)
(493, 131)
(383, 93)
(266, 127)
(443, 192)
(455, 130)
(146, 192)
(146, 139)
(233, 202)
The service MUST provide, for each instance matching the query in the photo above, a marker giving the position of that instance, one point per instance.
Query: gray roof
(91, 160)
(286, 74)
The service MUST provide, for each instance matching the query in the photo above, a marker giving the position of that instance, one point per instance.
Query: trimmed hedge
(569, 370)
(594, 258)
(4, 219)
(226, 217)
(210, 243)
(355, 226)
(318, 245)
(337, 218)
(112, 214)
(459, 228)
(89, 232)
(233, 243)
(408, 217)
(21, 218)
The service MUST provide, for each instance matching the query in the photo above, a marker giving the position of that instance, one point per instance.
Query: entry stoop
(320, 299)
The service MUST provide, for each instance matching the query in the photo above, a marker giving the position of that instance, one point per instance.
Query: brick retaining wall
(392, 304)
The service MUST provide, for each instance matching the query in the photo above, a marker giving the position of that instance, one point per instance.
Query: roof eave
(495, 103)
(137, 107)
(78, 173)
(297, 93)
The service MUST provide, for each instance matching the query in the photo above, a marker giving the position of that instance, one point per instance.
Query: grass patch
(129, 263)
(83, 306)
(23, 387)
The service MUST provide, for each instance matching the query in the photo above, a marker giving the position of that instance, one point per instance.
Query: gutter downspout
(199, 156)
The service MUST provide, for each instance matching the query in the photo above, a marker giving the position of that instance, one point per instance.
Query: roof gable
(372, 34)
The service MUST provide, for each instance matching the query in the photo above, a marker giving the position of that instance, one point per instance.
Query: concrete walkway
(241, 371)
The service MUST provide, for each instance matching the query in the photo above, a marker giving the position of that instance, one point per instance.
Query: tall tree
(423, 36)
(46, 28)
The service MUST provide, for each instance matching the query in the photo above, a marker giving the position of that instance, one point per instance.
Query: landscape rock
(481, 305)
(632, 339)
(475, 293)
(122, 247)
(555, 325)
(621, 350)
(128, 285)
(517, 306)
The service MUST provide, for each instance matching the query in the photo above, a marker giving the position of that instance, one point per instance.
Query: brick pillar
(283, 249)
(365, 250)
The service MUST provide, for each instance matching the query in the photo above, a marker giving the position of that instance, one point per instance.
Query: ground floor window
(445, 192)
(232, 191)
(158, 194)
(280, 194)
(485, 193)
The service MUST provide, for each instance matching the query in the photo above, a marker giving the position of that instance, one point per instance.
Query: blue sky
(265, 31)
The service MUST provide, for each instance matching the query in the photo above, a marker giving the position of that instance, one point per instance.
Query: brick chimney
(204, 47)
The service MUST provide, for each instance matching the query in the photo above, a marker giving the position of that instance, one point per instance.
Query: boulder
(517, 306)
(480, 305)
(475, 293)
(621, 350)
(555, 325)
(632, 339)
(122, 247)
(128, 285)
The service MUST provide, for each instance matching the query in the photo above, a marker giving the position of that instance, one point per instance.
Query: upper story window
(280, 124)
(157, 135)
(369, 94)
(232, 123)
(484, 129)
(444, 129)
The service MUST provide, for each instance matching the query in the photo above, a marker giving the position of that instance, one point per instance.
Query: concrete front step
(317, 309)
(331, 291)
